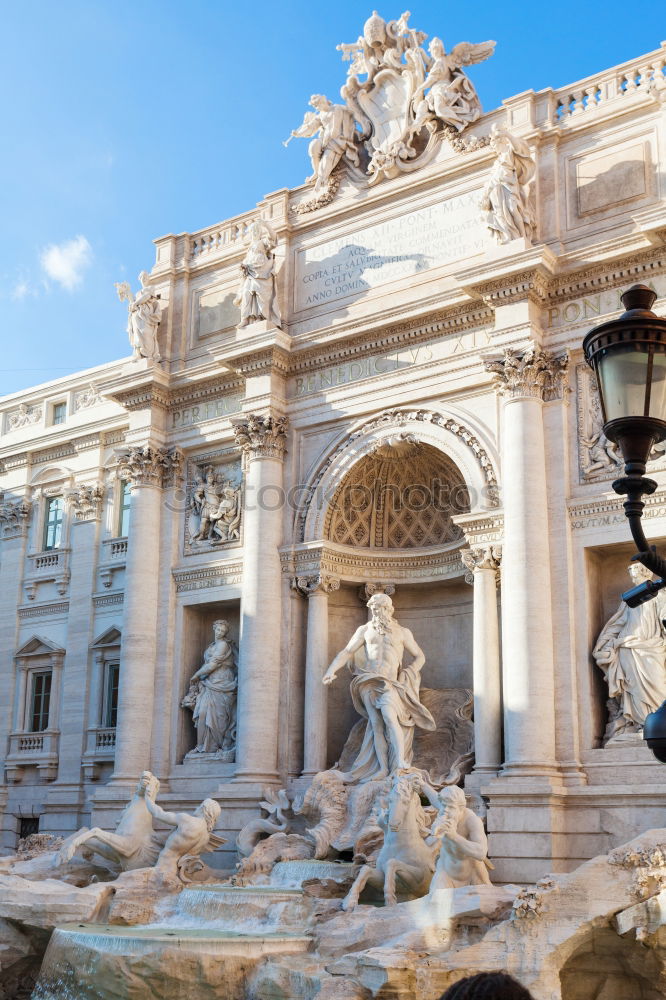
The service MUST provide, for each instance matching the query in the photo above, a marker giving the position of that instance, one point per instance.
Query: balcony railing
(33, 749)
(115, 549)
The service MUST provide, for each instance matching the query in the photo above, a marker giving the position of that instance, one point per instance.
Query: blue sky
(124, 120)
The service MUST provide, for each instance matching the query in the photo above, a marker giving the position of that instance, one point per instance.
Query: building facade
(416, 417)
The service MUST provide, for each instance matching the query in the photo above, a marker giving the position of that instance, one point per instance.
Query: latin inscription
(210, 410)
(384, 364)
(593, 306)
(347, 267)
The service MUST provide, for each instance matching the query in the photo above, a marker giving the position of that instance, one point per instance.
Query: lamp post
(628, 356)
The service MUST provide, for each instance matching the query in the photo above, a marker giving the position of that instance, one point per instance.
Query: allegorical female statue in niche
(212, 697)
(631, 651)
(257, 295)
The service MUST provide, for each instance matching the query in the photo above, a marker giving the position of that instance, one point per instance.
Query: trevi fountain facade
(316, 679)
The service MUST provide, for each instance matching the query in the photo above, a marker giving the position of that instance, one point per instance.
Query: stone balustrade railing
(46, 562)
(105, 739)
(115, 549)
(222, 237)
(643, 75)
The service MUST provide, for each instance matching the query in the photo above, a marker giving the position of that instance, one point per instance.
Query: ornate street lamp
(628, 356)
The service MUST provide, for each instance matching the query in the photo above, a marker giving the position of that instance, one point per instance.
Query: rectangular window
(41, 699)
(110, 715)
(124, 511)
(59, 413)
(55, 507)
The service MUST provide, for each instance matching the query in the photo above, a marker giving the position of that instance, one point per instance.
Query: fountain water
(212, 935)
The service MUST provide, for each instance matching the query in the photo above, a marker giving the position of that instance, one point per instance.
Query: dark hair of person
(487, 986)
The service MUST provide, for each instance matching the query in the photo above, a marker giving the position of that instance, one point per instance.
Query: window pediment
(39, 646)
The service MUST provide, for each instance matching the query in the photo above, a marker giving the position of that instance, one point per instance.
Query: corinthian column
(483, 564)
(147, 470)
(315, 726)
(262, 440)
(525, 381)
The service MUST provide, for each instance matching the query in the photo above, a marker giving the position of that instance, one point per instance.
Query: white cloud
(21, 290)
(66, 262)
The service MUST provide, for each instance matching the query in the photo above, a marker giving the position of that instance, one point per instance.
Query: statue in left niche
(143, 318)
(212, 697)
(257, 295)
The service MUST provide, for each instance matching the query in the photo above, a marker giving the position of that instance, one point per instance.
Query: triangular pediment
(111, 637)
(39, 646)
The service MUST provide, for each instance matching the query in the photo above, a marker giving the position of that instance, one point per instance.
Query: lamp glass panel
(622, 378)
(658, 393)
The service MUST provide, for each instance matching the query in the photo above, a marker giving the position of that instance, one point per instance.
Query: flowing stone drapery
(262, 441)
(147, 469)
(483, 565)
(525, 381)
(315, 727)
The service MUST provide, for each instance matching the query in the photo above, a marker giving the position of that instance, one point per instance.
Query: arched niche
(449, 435)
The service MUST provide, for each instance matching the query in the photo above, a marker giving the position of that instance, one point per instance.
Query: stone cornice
(200, 391)
(389, 566)
(483, 528)
(607, 511)
(609, 273)
(221, 574)
(466, 315)
(522, 276)
(266, 359)
(141, 386)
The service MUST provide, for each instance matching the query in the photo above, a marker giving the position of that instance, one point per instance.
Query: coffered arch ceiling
(402, 495)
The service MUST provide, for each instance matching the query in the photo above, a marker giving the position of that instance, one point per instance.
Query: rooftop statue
(335, 131)
(143, 318)
(257, 296)
(400, 100)
(384, 691)
(507, 197)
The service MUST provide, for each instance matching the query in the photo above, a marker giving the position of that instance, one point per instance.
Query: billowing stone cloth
(636, 668)
(216, 708)
(369, 687)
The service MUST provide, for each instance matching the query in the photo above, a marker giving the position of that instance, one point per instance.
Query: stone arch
(447, 434)
(606, 965)
(52, 474)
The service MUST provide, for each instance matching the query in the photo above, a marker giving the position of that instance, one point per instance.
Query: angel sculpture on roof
(447, 94)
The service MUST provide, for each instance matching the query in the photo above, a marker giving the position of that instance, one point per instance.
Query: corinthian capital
(532, 372)
(148, 466)
(261, 435)
(15, 517)
(86, 501)
(481, 557)
(317, 583)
